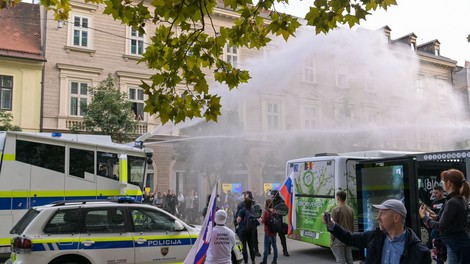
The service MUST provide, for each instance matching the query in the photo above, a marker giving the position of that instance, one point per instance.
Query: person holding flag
(287, 192)
(277, 200)
(197, 254)
(222, 241)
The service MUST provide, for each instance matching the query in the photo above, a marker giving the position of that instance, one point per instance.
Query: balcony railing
(79, 125)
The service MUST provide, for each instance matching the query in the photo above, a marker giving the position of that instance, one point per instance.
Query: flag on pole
(287, 192)
(197, 253)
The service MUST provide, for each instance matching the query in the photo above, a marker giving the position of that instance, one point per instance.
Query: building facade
(21, 65)
(349, 91)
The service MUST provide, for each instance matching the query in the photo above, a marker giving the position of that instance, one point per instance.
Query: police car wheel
(70, 259)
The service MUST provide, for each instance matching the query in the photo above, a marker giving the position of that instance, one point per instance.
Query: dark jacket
(451, 223)
(415, 251)
(452, 217)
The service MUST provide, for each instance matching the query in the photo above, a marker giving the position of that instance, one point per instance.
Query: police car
(102, 232)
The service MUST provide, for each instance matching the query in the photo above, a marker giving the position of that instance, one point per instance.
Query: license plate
(311, 234)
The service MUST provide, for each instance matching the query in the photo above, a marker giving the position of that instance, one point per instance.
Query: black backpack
(251, 221)
(274, 223)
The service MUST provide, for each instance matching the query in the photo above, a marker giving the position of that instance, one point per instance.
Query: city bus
(369, 177)
(316, 181)
(40, 168)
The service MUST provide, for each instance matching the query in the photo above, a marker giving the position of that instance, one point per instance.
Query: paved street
(299, 251)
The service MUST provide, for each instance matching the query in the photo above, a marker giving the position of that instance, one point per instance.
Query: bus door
(382, 179)
(429, 172)
(429, 175)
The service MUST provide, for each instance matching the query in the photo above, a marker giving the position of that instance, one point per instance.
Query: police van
(102, 232)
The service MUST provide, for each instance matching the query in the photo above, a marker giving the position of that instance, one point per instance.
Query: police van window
(64, 222)
(108, 165)
(135, 170)
(147, 220)
(81, 161)
(42, 155)
(105, 220)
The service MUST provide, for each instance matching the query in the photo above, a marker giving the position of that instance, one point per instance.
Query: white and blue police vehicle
(102, 232)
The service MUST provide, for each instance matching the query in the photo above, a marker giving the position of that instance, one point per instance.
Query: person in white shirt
(222, 241)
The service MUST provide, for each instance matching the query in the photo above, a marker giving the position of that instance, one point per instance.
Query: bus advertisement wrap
(309, 211)
(314, 184)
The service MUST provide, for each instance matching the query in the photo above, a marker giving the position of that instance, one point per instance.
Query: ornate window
(6, 92)
(78, 97)
(136, 96)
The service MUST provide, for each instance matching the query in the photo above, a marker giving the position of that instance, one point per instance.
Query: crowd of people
(392, 242)
(182, 205)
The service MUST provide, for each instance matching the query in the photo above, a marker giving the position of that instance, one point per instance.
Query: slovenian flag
(197, 254)
(287, 192)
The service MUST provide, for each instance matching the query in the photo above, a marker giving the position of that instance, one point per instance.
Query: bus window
(108, 165)
(42, 155)
(135, 170)
(81, 161)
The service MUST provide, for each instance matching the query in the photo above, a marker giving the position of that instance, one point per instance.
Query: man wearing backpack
(241, 205)
(271, 222)
(246, 231)
(344, 216)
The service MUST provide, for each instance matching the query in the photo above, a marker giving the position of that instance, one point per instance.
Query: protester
(180, 204)
(452, 218)
(439, 249)
(188, 210)
(249, 195)
(172, 202)
(158, 200)
(277, 199)
(165, 202)
(269, 238)
(147, 197)
(344, 216)
(222, 241)
(392, 242)
(245, 234)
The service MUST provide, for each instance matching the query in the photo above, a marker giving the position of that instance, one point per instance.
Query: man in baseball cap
(222, 241)
(220, 217)
(394, 205)
(386, 244)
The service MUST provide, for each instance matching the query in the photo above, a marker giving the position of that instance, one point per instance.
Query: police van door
(105, 236)
(155, 237)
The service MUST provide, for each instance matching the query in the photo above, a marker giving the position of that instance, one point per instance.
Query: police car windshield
(24, 221)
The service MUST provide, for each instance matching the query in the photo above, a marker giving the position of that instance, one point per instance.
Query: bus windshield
(136, 170)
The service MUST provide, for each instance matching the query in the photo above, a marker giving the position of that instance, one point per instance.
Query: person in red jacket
(269, 238)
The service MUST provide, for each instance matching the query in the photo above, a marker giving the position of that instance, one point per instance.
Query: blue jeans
(458, 245)
(451, 256)
(269, 240)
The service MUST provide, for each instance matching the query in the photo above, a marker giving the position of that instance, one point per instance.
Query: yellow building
(21, 65)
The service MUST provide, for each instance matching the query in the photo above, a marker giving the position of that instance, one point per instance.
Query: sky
(445, 20)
